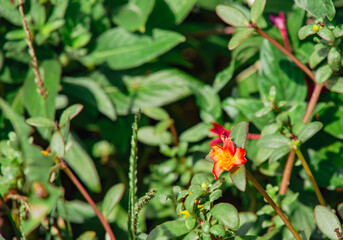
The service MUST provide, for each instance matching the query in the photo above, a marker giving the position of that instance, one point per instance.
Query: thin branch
(174, 133)
(274, 206)
(41, 89)
(313, 101)
(310, 175)
(84, 193)
(287, 172)
(284, 50)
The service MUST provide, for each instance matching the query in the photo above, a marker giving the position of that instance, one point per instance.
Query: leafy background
(168, 58)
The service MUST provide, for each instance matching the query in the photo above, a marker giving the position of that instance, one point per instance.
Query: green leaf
(340, 209)
(274, 141)
(71, 112)
(335, 84)
(240, 37)
(209, 103)
(148, 135)
(323, 73)
(156, 113)
(232, 16)
(338, 31)
(227, 214)
(75, 211)
(305, 234)
(309, 130)
(223, 77)
(89, 235)
(159, 88)
(195, 133)
(257, 10)
(129, 17)
(199, 179)
(239, 134)
(321, 51)
(318, 8)
(57, 144)
(190, 222)
(335, 127)
(279, 153)
(191, 198)
(238, 177)
(40, 122)
(334, 59)
(89, 91)
(326, 34)
(80, 162)
(193, 235)
(169, 230)
(215, 195)
(180, 8)
(277, 70)
(122, 49)
(217, 230)
(112, 198)
(327, 221)
(306, 31)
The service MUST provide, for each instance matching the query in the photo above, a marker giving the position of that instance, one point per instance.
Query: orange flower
(226, 157)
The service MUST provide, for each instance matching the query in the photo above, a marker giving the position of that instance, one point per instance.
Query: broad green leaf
(327, 221)
(274, 141)
(80, 162)
(232, 16)
(148, 136)
(238, 177)
(334, 59)
(338, 31)
(129, 17)
(57, 144)
(277, 70)
(309, 130)
(240, 37)
(193, 235)
(326, 34)
(249, 238)
(318, 8)
(40, 122)
(215, 195)
(199, 179)
(10, 12)
(112, 198)
(247, 221)
(52, 26)
(279, 153)
(306, 31)
(208, 102)
(156, 113)
(321, 51)
(34, 103)
(257, 10)
(196, 133)
(335, 127)
(335, 84)
(224, 77)
(89, 235)
(305, 234)
(190, 222)
(323, 73)
(122, 49)
(180, 8)
(89, 91)
(217, 230)
(227, 214)
(169, 230)
(191, 199)
(159, 88)
(71, 112)
(239, 134)
(75, 211)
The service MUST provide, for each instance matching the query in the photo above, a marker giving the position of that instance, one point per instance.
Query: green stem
(274, 206)
(8, 212)
(309, 174)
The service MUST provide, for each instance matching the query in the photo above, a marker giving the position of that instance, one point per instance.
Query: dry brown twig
(41, 89)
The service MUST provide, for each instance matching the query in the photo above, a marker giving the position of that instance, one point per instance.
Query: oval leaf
(169, 230)
(227, 214)
(309, 130)
(321, 51)
(232, 16)
(240, 37)
(112, 198)
(156, 113)
(326, 34)
(239, 134)
(257, 10)
(335, 84)
(274, 141)
(70, 113)
(334, 59)
(238, 177)
(41, 122)
(323, 73)
(57, 144)
(327, 221)
(306, 31)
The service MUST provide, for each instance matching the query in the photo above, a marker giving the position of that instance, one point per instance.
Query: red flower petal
(216, 153)
(229, 146)
(217, 128)
(240, 156)
(217, 171)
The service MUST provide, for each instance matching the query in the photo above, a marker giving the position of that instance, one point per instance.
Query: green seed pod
(334, 59)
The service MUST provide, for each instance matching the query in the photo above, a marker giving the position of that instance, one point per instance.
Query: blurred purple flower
(280, 22)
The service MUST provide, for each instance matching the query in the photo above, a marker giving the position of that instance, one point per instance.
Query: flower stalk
(274, 206)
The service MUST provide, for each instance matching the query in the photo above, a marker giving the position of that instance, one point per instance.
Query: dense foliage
(145, 103)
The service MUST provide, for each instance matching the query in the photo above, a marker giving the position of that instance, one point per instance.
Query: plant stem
(284, 50)
(8, 212)
(84, 193)
(287, 172)
(313, 101)
(309, 174)
(174, 133)
(274, 206)
(41, 89)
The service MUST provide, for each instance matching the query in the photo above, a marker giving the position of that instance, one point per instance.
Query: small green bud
(204, 186)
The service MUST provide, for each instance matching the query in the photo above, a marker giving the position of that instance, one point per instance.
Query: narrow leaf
(232, 16)
(274, 141)
(70, 113)
(309, 130)
(239, 134)
(240, 37)
(41, 122)
(112, 198)
(257, 10)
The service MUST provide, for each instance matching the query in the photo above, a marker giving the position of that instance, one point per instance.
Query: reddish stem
(84, 193)
(254, 136)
